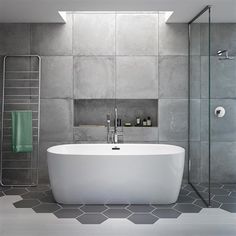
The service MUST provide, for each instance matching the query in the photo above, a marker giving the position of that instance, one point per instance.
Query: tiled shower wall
(101, 56)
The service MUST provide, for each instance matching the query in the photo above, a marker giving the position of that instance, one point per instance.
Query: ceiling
(47, 11)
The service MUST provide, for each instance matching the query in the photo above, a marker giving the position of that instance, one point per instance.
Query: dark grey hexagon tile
(15, 191)
(219, 191)
(93, 208)
(1, 194)
(213, 185)
(33, 195)
(143, 218)
(91, 218)
(48, 199)
(200, 203)
(39, 188)
(231, 187)
(68, 206)
(117, 213)
(232, 194)
(229, 207)
(46, 208)
(4, 188)
(200, 188)
(187, 208)
(166, 213)
(188, 188)
(224, 199)
(27, 203)
(68, 213)
(117, 205)
(166, 206)
(185, 199)
(195, 195)
(140, 208)
(184, 192)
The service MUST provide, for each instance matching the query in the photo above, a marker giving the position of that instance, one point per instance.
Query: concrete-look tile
(187, 208)
(166, 213)
(205, 80)
(223, 162)
(223, 129)
(29, 203)
(140, 208)
(15, 191)
(94, 77)
(173, 81)
(195, 119)
(173, 120)
(204, 116)
(195, 77)
(15, 39)
(229, 207)
(94, 218)
(68, 213)
(195, 158)
(143, 218)
(57, 77)
(137, 34)
(204, 38)
(94, 34)
(46, 208)
(195, 37)
(173, 38)
(56, 120)
(141, 73)
(117, 213)
(52, 39)
(93, 208)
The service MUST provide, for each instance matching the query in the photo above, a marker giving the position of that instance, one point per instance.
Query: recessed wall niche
(94, 111)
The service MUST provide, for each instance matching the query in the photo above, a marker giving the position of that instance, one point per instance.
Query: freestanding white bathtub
(97, 174)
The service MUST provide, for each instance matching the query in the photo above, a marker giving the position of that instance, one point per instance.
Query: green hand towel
(22, 131)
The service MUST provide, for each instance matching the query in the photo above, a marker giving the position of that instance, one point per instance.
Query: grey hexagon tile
(183, 192)
(140, 208)
(187, 208)
(219, 191)
(68, 206)
(213, 185)
(229, 207)
(33, 195)
(27, 203)
(194, 195)
(224, 199)
(48, 199)
(93, 208)
(41, 188)
(200, 203)
(15, 191)
(231, 187)
(232, 194)
(46, 208)
(117, 213)
(4, 188)
(94, 218)
(117, 205)
(188, 187)
(68, 213)
(143, 218)
(185, 199)
(1, 194)
(166, 206)
(166, 213)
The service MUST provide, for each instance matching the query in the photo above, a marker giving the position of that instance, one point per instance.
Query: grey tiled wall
(106, 56)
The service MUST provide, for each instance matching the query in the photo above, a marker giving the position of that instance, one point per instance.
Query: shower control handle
(219, 112)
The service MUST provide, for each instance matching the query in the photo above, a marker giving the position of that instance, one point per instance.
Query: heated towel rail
(20, 91)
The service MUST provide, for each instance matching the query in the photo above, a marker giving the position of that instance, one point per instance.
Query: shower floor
(41, 200)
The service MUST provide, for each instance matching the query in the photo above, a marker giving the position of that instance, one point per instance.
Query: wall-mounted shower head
(224, 55)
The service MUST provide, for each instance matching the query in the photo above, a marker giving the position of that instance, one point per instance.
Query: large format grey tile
(94, 77)
(57, 77)
(52, 39)
(173, 120)
(195, 77)
(195, 119)
(94, 34)
(173, 81)
(173, 38)
(56, 120)
(137, 77)
(15, 39)
(195, 37)
(137, 34)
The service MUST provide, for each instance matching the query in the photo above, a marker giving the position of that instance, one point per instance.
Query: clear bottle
(149, 121)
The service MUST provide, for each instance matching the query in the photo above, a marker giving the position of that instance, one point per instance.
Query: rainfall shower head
(224, 55)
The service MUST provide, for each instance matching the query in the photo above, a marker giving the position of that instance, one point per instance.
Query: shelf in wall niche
(93, 111)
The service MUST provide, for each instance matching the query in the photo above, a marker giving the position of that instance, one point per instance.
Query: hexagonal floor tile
(188, 188)
(200, 203)
(231, 187)
(187, 208)
(4, 188)
(224, 199)
(27, 203)
(232, 194)
(219, 191)
(166, 206)
(68, 213)
(33, 195)
(69, 206)
(39, 188)
(117, 213)
(1, 194)
(143, 218)
(48, 199)
(93, 208)
(15, 191)
(185, 199)
(183, 192)
(166, 213)
(46, 208)
(140, 208)
(117, 205)
(91, 218)
(229, 207)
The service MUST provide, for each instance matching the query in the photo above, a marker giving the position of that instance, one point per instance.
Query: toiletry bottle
(149, 122)
(138, 121)
(144, 122)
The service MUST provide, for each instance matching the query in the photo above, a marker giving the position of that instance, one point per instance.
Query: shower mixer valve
(220, 112)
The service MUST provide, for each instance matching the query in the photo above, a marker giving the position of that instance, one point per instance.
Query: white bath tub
(137, 173)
